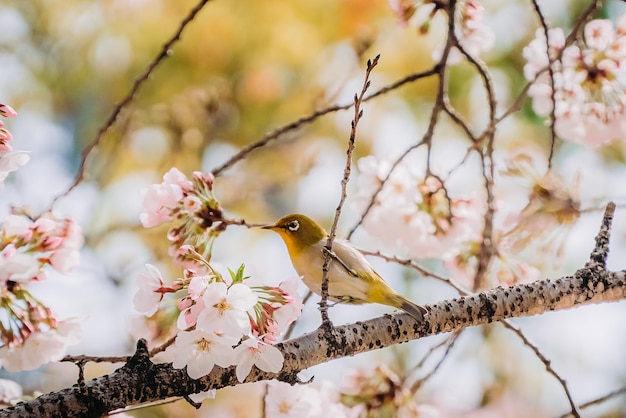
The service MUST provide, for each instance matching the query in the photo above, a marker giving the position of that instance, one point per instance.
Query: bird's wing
(349, 257)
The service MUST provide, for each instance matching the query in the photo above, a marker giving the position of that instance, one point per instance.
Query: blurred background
(241, 70)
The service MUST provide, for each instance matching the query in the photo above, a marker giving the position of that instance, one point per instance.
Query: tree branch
(139, 380)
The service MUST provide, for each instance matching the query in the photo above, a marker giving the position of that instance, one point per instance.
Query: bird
(351, 278)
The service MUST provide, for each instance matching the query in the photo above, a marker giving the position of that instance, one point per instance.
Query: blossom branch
(140, 381)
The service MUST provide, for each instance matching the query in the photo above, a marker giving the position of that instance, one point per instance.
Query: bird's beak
(272, 226)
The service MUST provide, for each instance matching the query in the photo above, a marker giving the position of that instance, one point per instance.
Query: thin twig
(358, 113)
(546, 30)
(487, 248)
(305, 120)
(450, 343)
(546, 363)
(139, 82)
(439, 105)
(407, 262)
(599, 400)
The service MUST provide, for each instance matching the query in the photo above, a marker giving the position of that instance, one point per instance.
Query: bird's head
(298, 231)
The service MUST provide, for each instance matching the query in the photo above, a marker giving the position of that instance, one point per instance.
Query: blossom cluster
(471, 32)
(305, 401)
(222, 321)
(418, 216)
(588, 85)
(9, 160)
(189, 205)
(377, 393)
(413, 213)
(30, 332)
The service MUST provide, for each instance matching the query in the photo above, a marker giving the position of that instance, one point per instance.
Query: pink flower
(188, 317)
(15, 226)
(19, 267)
(177, 178)
(289, 312)
(225, 309)
(147, 298)
(41, 347)
(286, 401)
(158, 202)
(403, 9)
(11, 161)
(254, 352)
(589, 89)
(200, 351)
(7, 111)
(10, 392)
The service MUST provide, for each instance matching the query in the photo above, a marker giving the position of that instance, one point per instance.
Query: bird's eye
(293, 226)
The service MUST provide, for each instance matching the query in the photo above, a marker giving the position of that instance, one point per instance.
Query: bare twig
(407, 262)
(546, 29)
(546, 363)
(358, 113)
(139, 82)
(426, 138)
(449, 342)
(599, 400)
(305, 120)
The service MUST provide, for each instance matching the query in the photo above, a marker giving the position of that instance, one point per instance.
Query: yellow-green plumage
(351, 279)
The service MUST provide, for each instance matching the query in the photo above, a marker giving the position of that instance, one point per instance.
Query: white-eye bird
(351, 279)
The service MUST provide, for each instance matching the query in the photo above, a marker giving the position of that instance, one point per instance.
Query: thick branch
(141, 381)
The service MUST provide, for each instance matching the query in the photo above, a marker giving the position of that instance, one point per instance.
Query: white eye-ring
(293, 226)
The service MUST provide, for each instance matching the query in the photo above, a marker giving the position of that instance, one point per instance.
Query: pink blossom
(176, 177)
(10, 392)
(158, 202)
(11, 161)
(403, 9)
(414, 213)
(589, 90)
(200, 351)
(289, 312)
(286, 401)
(19, 267)
(7, 111)
(41, 347)
(254, 352)
(147, 298)
(225, 308)
(15, 226)
(188, 317)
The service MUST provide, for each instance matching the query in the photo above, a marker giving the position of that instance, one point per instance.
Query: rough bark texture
(140, 380)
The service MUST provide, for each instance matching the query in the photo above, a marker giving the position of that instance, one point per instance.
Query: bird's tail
(387, 296)
(413, 309)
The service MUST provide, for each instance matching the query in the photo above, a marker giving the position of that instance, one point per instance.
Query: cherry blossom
(589, 92)
(11, 161)
(471, 31)
(41, 347)
(225, 308)
(200, 351)
(413, 213)
(254, 352)
(10, 392)
(7, 111)
(147, 299)
(286, 401)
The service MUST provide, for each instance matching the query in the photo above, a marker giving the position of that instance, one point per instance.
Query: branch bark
(139, 380)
